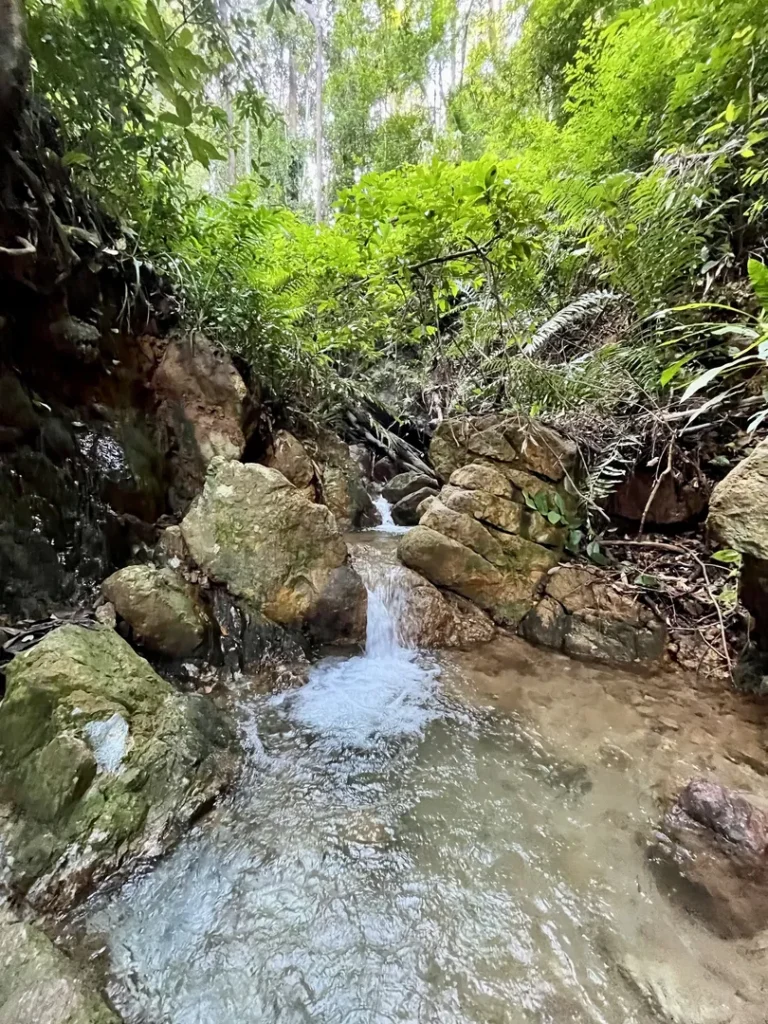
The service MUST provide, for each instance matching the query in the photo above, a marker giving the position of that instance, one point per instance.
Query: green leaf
(646, 580)
(75, 159)
(541, 503)
(595, 554)
(183, 111)
(202, 151)
(758, 275)
(159, 63)
(674, 368)
(727, 556)
(709, 375)
(155, 22)
(575, 538)
(731, 112)
(554, 517)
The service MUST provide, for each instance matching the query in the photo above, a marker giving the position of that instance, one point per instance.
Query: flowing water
(394, 852)
(387, 525)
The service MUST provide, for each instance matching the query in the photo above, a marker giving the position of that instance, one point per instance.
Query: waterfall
(386, 692)
(387, 525)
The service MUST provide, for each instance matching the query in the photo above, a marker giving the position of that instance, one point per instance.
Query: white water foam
(385, 693)
(387, 524)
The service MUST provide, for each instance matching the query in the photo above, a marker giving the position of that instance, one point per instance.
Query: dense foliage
(539, 205)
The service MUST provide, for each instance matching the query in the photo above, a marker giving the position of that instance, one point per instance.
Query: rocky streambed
(282, 771)
(464, 836)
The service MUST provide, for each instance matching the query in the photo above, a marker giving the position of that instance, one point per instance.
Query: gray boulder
(406, 483)
(160, 606)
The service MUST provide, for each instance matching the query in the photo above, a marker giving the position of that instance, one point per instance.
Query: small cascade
(387, 525)
(386, 692)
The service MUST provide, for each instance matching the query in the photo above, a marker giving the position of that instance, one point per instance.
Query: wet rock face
(161, 608)
(439, 619)
(712, 856)
(252, 530)
(585, 616)
(39, 984)
(104, 760)
(201, 397)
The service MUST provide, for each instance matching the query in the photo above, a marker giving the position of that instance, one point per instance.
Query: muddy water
(407, 844)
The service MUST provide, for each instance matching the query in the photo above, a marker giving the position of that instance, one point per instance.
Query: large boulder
(738, 516)
(712, 856)
(39, 984)
(201, 397)
(104, 760)
(583, 614)
(510, 445)
(252, 530)
(482, 537)
(507, 593)
(407, 511)
(738, 519)
(161, 608)
(403, 484)
(341, 486)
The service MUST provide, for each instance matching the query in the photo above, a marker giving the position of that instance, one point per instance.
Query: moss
(173, 758)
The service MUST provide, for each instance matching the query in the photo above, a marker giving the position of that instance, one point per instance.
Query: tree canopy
(408, 199)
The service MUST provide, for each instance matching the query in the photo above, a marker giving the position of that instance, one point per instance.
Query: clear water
(391, 854)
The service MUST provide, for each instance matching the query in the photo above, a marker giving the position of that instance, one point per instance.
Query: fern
(618, 458)
(573, 315)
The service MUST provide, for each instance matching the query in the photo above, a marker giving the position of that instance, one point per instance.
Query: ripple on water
(387, 856)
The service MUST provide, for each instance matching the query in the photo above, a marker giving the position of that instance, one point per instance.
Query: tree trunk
(13, 62)
(226, 85)
(319, 76)
(293, 95)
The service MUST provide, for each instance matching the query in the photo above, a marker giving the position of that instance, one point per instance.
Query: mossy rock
(102, 759)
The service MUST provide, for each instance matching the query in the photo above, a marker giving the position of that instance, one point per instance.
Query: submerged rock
(161, 608)
(103, 758)
(252, 530)
(713, 858)
(39, 984)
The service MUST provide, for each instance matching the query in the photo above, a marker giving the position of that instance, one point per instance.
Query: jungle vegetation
(556, 206)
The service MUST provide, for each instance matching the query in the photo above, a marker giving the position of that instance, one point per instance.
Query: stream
(399, 848)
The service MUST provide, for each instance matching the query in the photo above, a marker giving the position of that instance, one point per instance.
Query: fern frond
(572, 315)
